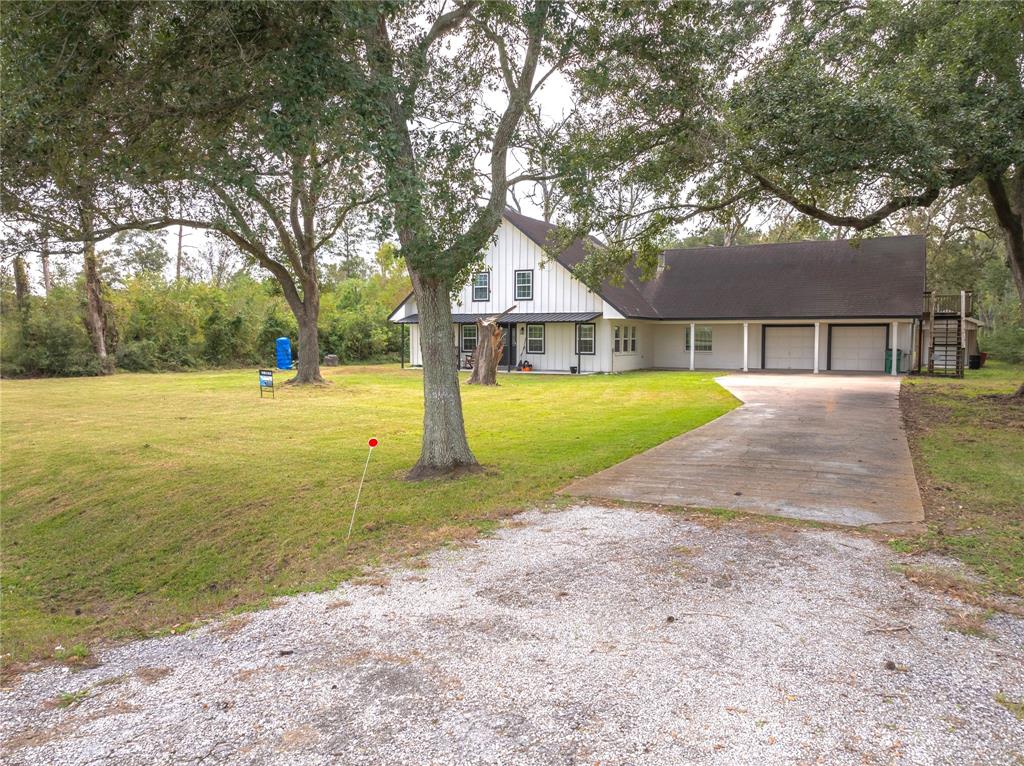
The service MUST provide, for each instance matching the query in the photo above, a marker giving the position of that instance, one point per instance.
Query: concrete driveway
(819, 447)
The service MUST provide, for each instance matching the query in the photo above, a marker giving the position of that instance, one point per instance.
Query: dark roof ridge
(854, 242)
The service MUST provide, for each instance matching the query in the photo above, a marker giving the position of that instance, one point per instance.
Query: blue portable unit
(284, 354)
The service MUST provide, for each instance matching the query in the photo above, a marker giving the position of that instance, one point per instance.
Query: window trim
(462, 338)
(515, 284)
(711, 339)
(543, 337)
(473, 286)
(593, 340)
(624, 339)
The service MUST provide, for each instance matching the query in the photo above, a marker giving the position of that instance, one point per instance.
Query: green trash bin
(888, 360)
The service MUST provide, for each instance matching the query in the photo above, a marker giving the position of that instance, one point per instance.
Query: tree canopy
(859, 111)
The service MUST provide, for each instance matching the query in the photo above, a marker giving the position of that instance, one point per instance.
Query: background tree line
(220, 313)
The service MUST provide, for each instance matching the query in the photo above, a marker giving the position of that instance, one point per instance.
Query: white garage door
(858, 348)
(789, 348)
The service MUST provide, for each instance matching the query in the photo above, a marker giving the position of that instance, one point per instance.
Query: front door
(508, 339)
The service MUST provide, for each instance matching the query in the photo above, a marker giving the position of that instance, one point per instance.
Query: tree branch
(287, 244)
(442, 25)
(341, 216)
(859, 223)
(519, 99)
(499, 45)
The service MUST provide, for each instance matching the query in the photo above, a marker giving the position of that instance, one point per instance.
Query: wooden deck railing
(947, 303)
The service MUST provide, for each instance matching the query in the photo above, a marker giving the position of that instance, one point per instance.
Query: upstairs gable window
(524, 285)
(482, 286)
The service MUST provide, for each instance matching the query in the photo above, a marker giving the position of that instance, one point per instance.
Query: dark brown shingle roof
(882, 277)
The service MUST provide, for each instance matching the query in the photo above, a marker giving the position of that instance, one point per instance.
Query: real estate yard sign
(267, 381)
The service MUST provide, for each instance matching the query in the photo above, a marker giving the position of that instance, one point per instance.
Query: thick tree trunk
(1015, 256)
(306, 310)
(95, 316)
(309, 348)
(487, 354)
(1007, 196)
(445, 449)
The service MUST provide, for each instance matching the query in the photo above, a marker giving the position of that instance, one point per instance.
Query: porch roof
(579, 316)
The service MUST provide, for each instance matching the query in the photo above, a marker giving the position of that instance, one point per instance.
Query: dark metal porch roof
(579, 316)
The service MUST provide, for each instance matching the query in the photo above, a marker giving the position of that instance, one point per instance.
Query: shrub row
(156, 326)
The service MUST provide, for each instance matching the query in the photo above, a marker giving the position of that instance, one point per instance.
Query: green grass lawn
(135, 503)
(968, 444)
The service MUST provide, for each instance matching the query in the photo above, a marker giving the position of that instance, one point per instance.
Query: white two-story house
(814, 306)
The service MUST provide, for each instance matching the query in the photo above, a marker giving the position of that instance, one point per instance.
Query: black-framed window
(534, 339)
(703, 334)
(482, 286)
(523, 279)
(468, 336)
(586, 339)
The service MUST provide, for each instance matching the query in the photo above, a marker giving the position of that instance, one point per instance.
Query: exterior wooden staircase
(943, 326)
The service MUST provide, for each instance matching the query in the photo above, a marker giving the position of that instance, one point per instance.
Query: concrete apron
(824, 448)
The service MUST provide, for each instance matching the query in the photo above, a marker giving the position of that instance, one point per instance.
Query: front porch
(785, 345)
(535, 371)
(589, 343)
(553, 343)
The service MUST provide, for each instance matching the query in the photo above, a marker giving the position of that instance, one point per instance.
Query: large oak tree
(445, 90)
(860, 110)
(170, 126)
(56, 141)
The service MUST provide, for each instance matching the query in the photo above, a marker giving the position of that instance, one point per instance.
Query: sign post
(371, 444)
(267, 382)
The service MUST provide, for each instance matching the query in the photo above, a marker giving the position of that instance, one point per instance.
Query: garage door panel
(789, 348)
(858, 348)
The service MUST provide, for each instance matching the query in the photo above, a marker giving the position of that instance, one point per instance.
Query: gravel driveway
(582, 636)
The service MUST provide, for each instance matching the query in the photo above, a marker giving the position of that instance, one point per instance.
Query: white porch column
(746, 346)
(693, 341)
(892, 345)
(817, 339)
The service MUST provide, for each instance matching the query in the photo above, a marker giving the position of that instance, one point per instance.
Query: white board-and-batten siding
(554, 288)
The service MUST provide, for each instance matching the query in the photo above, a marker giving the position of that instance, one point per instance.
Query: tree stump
(488, 351)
